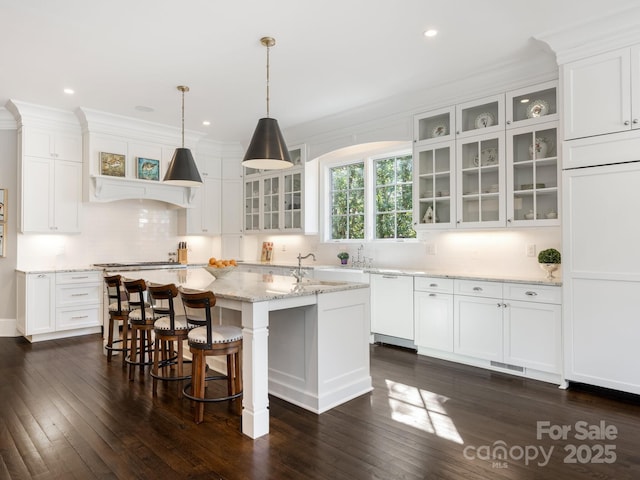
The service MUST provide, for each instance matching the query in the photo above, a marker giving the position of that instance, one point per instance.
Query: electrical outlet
(531, 250)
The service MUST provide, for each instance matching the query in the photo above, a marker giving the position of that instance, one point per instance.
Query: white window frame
(369, 188)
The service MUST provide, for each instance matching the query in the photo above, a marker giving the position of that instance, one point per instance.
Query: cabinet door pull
(79, 317)
(433, 285)
(432, 295)
(477, 289)
(389, 276)
(530, 293)
(79, 294)
(78, 278)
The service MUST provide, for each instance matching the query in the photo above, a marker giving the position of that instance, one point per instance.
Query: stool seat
(148, 318)
(124, 306)
(180, 323)
(219, 334)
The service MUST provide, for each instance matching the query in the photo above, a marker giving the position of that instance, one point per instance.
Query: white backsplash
(500, 252)
(128, 230)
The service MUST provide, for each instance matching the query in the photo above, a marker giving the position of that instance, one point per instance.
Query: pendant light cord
(268, 48)
(183, 118)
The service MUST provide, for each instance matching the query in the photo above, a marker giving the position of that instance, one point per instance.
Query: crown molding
(617, 29)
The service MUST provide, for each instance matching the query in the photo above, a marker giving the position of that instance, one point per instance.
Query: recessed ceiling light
(69, 91)
(142, 108)
(206, 123)
(431, 32)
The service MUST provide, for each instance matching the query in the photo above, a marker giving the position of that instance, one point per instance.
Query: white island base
(318, 354)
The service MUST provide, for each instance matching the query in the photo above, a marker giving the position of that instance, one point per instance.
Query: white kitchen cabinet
(478, 326)
(36, 303)
(531, 105)
(45, 143)
(271, 198)
(252, 201)
(433, 314)
(533, 327)
(483, 116)
(292, 198)
(51, 195)
(434, 187)
(434, 126)
(533, 173)
(392, 305)
(57, 305)
(602, 93)
(204, 215)
(601, 291)
(480, 195)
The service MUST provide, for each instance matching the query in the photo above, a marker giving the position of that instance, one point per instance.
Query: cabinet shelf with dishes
(482, 116)
(532, 105)
(532, 175)
(434, 181)
(434, 126)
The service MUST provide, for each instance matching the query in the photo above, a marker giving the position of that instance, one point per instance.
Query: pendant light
(182, 170)
(267, 150)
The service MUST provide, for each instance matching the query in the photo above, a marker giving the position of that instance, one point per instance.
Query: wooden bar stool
(210, 340)
(170, 330)
(118, 312)
(141, 320)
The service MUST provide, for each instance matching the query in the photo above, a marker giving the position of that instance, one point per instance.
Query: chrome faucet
(298, 273)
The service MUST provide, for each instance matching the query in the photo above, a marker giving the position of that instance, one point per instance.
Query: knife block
(182, 256)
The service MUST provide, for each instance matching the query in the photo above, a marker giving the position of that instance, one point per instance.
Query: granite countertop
(537, 280)
(243, 286)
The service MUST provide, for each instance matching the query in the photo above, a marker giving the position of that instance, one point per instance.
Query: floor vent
(507, 366)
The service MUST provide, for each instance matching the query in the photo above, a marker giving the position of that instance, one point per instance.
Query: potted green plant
(549, 261)
(344, 257)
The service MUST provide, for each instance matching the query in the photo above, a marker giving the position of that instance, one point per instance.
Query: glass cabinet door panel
(483, 116)
(532, 105)
(252, 205)
(433, 178)
(292, 201)
(432, 126)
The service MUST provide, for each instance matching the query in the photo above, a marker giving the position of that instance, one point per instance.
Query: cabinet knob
(499, 304)
(457, 132)
(635, 121)
(508, 220)
(626, 122)
(432, 294)
(508, 122)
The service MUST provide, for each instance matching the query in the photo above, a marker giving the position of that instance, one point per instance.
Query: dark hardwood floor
(65, 413)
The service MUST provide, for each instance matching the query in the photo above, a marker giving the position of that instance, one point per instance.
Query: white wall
(8, 139)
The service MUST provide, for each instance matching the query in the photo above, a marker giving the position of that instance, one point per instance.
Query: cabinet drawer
(79, 277)
(478, 288)
(433, 284)
(532, 293)
(67, 295)
(70, 318)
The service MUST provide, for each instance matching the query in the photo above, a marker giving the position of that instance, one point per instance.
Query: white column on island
(255, 369)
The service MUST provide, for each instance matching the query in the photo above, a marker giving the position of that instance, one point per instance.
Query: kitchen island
(306, 343)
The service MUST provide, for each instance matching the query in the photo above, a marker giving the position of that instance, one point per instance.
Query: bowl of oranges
(220, 268)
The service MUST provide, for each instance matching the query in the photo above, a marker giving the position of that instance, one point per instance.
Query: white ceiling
(330, 56)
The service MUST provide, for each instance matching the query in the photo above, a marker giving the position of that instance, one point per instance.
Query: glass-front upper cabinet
(434, 186)
(480, 117)
(252, 205)
(532, 105)
(271, 203)
(292, 202)
(532, 175)
(480, 182)
(436, 125)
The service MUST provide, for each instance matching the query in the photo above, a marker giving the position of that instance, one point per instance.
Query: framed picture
(3, 204)
(148, 169)
(112, 164)
(2, 228)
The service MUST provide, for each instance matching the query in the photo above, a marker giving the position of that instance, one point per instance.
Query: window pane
(356, 201)
(339, 226)
(405, 225)
(404, 199)
(339, 203)
(385, 225)
(356, 226)
(385, 171)
(356, 175)
(339, 177)
(386, 199)
(405, 169)
(347, 201)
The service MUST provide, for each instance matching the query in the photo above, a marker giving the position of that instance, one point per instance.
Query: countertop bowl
(220, 272)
